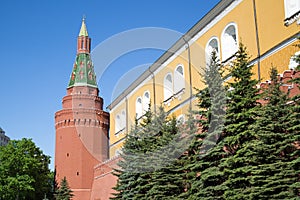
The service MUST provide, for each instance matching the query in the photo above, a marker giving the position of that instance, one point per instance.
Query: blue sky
(38, 48)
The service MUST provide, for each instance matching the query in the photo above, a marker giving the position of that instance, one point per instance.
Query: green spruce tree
(294, 123)
(166, 179)
(63, 192)
(241, 113)
(270, 170)
(202, 158)
(128, 176)
(149, 152)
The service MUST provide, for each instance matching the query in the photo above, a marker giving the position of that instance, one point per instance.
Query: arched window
(229, 41)
(120, 122)
(146, 101)
(179, 82)
(212, 45)
(291, 7)
(293, 64)
(168, 86)
(123, 120)
(138, 107)
(117, 124)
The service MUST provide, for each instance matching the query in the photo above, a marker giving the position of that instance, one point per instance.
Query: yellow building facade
(268, 28)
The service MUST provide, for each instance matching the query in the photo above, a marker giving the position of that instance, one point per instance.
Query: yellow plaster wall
(113, 150)
(280, 60)
(117, 110)
(271, 24)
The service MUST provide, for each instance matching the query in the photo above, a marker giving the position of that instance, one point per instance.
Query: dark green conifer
(269, 172)
(63, 192)
(203, 155)
(279, 128)
(294, 123)
(147, 166)
(241, 113)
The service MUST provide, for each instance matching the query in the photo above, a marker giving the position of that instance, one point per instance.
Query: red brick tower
(82, 125)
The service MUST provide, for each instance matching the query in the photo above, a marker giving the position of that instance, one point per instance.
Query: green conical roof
(83, 72)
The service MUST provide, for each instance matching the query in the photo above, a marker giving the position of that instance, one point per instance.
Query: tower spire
(83, 29)
(83, 40)
(83, 72)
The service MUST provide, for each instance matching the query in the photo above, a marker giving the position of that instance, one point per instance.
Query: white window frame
(290, 11)
(293, 64)
(209, 51)
(117, 123)
(123, 120)
(139, 107)
(168, 87)
(146, 101)
(179, 80)
(229, 49)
